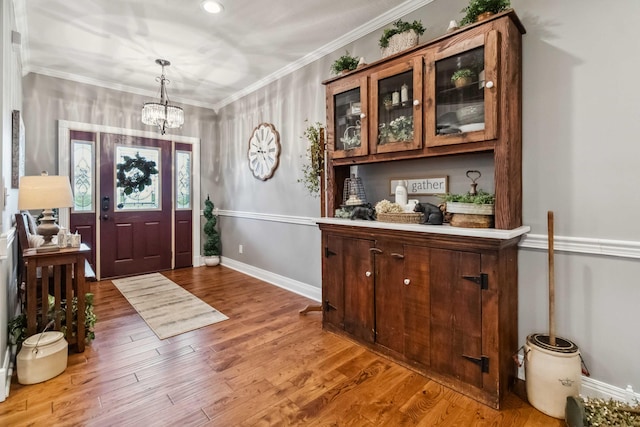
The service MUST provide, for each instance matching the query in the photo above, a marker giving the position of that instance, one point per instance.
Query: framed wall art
(17, 148)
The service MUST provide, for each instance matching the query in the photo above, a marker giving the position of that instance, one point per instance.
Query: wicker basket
(400, 42)
(404, 218)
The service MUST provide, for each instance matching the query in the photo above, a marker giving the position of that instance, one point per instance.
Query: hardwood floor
(265, 366)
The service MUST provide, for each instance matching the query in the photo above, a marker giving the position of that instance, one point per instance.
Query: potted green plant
(314, 164)
(471, 210)
(344, 64)
(18, 325)
(462, 77)
(402, 35)
(482, 9)
(212, 245)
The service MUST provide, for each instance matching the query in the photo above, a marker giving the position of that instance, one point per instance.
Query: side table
(68, 267)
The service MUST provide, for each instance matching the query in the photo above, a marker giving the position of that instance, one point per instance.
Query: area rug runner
(167, 308)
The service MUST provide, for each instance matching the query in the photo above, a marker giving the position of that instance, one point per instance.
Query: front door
(134, 205)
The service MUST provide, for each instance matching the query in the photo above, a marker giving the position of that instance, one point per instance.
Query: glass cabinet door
(349, 119)
(396, 119)
(461, 84)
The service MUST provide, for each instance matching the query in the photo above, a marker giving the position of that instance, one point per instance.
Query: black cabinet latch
(327, 252)
(482, 280)
(482, 362)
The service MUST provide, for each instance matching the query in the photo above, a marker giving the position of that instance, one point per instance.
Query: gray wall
(580, 122)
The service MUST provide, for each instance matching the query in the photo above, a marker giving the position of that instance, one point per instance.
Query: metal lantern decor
(353, 192)
(161, 114)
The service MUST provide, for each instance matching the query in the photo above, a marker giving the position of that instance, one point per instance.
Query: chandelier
(162, 114)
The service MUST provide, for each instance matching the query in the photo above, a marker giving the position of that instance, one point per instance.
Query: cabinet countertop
(490, 233)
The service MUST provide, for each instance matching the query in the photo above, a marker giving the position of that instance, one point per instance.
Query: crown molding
(357, 33)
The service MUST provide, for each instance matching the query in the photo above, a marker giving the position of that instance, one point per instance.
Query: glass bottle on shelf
(395, 121)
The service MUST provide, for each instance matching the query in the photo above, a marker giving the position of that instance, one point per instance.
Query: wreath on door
(134, 174)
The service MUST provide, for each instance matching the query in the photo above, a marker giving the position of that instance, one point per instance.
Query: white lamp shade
(44, 192)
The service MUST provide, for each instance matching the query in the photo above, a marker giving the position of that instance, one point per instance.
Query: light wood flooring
(265, 366)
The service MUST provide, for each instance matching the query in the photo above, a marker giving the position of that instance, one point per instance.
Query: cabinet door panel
(467, 330)
(358, 289)
(389, 296)
(456, 321)
(463, 109)
(396, 107)
(332, 284)
(347, 118)
(416, 300)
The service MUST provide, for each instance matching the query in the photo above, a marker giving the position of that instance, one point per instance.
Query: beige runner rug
(167, 308)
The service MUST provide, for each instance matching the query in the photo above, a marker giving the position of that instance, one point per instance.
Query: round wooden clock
(264, 151)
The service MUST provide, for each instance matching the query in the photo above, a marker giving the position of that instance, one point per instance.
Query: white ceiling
(215, 59)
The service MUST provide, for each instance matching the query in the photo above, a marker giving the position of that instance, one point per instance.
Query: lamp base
(47, 229)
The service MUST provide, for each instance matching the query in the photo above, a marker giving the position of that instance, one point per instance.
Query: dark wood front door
(135, 228)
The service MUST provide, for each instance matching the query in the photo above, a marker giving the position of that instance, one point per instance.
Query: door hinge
(482, 362)
(482, 280)
(327, 306)
(328, 253)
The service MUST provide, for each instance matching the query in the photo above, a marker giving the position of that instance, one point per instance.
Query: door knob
(416, 102)
(407, 281)
(489, 84)
(363, 115)
(368, 274)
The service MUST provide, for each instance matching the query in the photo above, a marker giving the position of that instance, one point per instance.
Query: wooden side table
(69, 274)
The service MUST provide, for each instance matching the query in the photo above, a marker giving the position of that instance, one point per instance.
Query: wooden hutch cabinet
(439, 299)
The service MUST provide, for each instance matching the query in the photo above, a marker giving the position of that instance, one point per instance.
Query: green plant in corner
(477, 7)
(400, 26)
(212, 245)
(18, 325)
(314, 158)
(345, 63)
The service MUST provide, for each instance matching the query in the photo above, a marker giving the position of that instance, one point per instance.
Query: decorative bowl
(470, 114)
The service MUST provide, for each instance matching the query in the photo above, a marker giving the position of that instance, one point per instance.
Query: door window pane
(133, 191)
(183, 180)
(82, 172)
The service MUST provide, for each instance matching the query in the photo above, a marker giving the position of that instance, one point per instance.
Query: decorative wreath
(139, 179)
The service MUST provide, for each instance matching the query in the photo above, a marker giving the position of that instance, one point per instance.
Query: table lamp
(45, 192)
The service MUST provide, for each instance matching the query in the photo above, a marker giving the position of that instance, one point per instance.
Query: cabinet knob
(407, 281)
(363, 115)
(416, 102)
(368, 274)
(489, 84)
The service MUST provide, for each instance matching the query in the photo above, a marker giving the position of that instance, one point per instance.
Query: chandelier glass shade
(161, 114)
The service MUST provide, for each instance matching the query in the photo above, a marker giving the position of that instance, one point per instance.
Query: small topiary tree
(212, 245)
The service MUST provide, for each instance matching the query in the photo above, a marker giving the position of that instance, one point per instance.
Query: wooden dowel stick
(552, 284)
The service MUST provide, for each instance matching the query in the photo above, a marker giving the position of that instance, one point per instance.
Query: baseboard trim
(6, 373)
(294, 286)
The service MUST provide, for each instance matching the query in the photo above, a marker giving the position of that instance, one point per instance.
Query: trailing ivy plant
(314, 159)
(212, 245)
(400, 26)
(476, 7)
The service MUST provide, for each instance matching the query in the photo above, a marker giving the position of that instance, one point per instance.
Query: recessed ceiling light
(212, 6)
